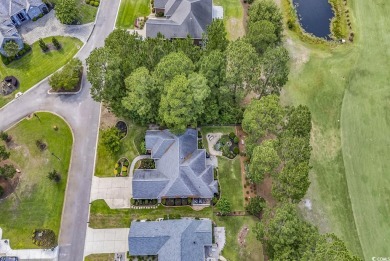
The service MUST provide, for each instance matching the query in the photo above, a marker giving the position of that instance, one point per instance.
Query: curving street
(82, 114)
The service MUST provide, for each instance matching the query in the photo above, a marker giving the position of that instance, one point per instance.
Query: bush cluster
(176, 201)
(143, 202)
(93, 2)
(7, 60)
(37, 17)
(45, 238)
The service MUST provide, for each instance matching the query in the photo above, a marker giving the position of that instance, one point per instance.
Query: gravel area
(48, 26)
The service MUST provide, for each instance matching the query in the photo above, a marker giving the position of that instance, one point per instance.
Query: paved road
(82, 113)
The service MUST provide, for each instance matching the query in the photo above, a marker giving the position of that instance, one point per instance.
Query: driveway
(116, 191)
(82, 114)
(49, 25)
(106, 241)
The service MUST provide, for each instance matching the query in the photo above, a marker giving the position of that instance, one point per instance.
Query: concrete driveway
(106, 241)
(116, 191)
(82, 113)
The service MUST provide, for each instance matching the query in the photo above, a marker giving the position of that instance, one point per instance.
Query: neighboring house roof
(160, 4)
(181, 169)
(173, 240)
(183, 17)
(11, 7)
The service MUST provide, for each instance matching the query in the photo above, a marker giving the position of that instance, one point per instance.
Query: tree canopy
(4, 154)
(224, 206)
(264, 160)
(215, 37)
(11, 48)
(68, 77)
(269, 11)
(299, 121)
(263, 116)
(256, 205)
(67, 11)
(111, 139)
(261, 35)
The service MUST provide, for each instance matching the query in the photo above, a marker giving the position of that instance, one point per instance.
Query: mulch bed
(122, 127)
(9, 186)
(242, 236)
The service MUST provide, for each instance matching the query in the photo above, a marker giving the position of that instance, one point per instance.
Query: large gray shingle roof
(11, 7)
(184, 17)
(181, 169)
(171, 240)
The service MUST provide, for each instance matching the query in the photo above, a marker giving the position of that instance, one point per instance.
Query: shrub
(189, 200)
(143, 147)
(1, 191)
(40, 15)
(87, 1)
(232, 135)
(236, 150)
(124, 169)
(56, 44)
(236, 140)
(159, 14)
(165, 217)
(163, 201)
(132, 201)
(41, 145)
(214, 201)
(44, 238)
(256, 205)
(178, 202)
(7, 171)
(111, 140)
(96, 4)
(43, 45)
(54, 176)
(34, 19)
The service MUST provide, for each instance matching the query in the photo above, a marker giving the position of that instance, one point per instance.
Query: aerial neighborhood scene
(194, 130)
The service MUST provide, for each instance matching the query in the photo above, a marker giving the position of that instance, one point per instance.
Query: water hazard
(315, 16)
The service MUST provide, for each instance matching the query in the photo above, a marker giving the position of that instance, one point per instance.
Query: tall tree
(11, 48)
(97, 68)
(4, 154)
(173, 64)
(293, 148)
(284, 235)
(67, 11)
(188, 47)
(269, 11)
(143, 97)
(329, 247)
(264, 160)
(177, 105)
(275, 69)
(292, 182)
(111, 139)
(262, 116)
(242, 70)
(68, 77)
(256, 205)
(215, 37)
(197, 84)
(262, 35)
(299, 121)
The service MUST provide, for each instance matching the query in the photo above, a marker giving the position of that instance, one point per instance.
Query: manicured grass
(87, 13)
(230, 181)
(100, 257)
(130, 10)
(347, 90)
(37, 202)
(233, 13)
(104, 217)
(36, 65)
(105, 162)
(252, 251)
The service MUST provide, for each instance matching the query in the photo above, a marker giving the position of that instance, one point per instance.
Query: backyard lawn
(347, 91)
(105, 162)
(130, 10)
(36, 65)
(37, 202)
(233, 13)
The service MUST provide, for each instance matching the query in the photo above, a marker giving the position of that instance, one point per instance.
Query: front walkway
(106, 241)
(27, 254)
(116, 191)
(48, 26)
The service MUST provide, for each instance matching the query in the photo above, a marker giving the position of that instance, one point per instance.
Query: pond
(315, 16)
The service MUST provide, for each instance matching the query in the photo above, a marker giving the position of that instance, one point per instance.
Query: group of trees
(68, 77)
(278, 144)
(178, 84)
(298, 240)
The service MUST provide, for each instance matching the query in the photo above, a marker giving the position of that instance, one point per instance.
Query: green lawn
(233, 13)
(130, 10)
(106, 161)
(230, 181)
(37, 202)
(87, 13)
(36, 65)
(100, 257)
(347, 90)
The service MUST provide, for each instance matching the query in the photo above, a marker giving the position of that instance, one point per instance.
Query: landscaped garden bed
(143, 202)
(176, 201)
(228, 144)
(147, 164)
(122, 168)
(122, 128)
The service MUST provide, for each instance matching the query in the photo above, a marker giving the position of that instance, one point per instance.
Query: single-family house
(181, 169)
(173, 240)
(14, 13)
(182, 18)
